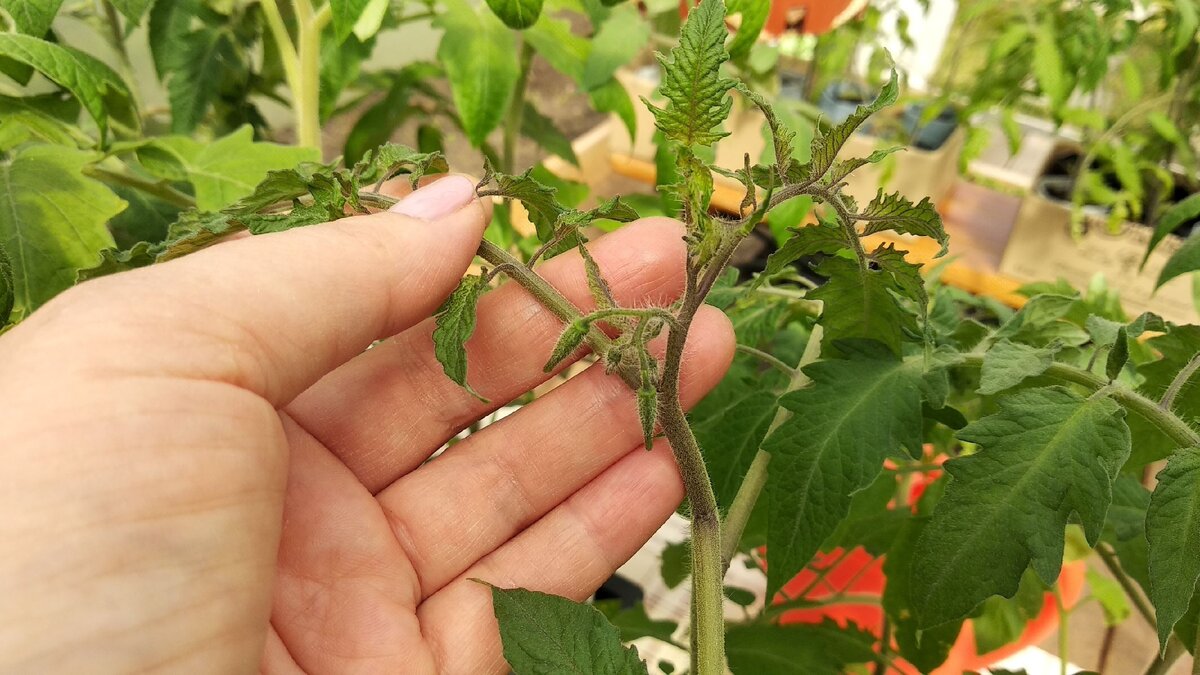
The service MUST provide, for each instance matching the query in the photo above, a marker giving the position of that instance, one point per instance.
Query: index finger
(273, 313)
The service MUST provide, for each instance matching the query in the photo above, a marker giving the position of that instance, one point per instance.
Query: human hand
(203, 470)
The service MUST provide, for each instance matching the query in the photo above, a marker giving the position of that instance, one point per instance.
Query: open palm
(205, 471)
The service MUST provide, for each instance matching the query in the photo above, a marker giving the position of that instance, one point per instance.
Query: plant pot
(840, 99)
(933, 134)
(1042, 248)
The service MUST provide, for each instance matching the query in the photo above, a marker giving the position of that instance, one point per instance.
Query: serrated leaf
(860, 303)
(1177, 348)
(844, 167)
(634, 623)
(390, 160)
(32, 17)
(544, 634)
(621, 37)
(1007, 364)
(454, 324)
(697, 95)
(517, 14)
(730, 424)
(133, 10)
(1184, 261)
(825, 147)
(542, 130)
(801, 649)
(1046, 453)
(924, 649)
(194, 230)
(113, 261)
(538, 199)
(565, 51)
(804, 242)
(194, 80)
(100, 90)
(1048, 63)
(1173, 530)
(895, 212)
(228, 168)
(480, 59)
(52, 220)
(854, 415)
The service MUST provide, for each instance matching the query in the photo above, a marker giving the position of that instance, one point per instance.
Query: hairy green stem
(1162, 666)
(516, 107)
(768, 359)
(1180, 379)
(1109, 558)
(307, 99)
(1164, 420)
(161, 190)
(756, 477)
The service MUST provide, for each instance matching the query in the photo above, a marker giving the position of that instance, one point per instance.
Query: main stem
(307, 101)
(708, 599)
(516, 107)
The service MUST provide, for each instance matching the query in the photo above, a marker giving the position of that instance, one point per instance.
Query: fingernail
(437, 199)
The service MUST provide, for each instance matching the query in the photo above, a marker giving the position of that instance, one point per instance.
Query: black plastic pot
(932, 135)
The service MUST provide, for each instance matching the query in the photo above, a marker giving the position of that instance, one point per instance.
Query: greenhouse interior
(823, 336)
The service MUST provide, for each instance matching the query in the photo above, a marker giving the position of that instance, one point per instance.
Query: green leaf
(676, 564)
(1046, 453)
(1048, 64)
(1111, 597)
(1177, 348)
(1188, 20)
(1118, 355)
(113, 261)
(790, 214)
(517, 14)
(454, 323)
(855, 414)
(1183, 261)
(860, 303)
(228, 168)
(894, 212)
(825, 147)
(32, 17)
(611, 97)
(543, 131)
(52, 220)
(391, 159)
(133, 10)
(620, 38)
(697, 95)
(8, 293)
(547, 634)
(1001, 621)
(924, 649)
(98, 88)
(633, 623)
(800, 649)
(198, 63)
(145, 219)
(804, 242)
(345, 14)
(565, 51)
(754, 15)
(1173, 530)
(539, 200)
(1007, 364)
(570, 340)
(730, 424)
(480, 59)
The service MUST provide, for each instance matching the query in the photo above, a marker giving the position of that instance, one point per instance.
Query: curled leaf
(455, 322)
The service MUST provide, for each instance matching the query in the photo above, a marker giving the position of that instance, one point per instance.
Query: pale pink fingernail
(437, 199)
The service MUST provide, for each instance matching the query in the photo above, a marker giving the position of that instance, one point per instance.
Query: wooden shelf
(978, 220)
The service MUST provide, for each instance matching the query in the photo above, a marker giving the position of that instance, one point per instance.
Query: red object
(811, 17)
(858, 573)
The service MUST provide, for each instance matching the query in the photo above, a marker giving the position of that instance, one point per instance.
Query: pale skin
(204, 471)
